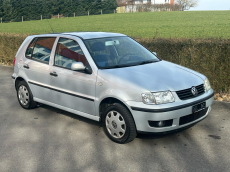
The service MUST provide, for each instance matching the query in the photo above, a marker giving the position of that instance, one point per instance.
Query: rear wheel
(118, 124)
(25, 96)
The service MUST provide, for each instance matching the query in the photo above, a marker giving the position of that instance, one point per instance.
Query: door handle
(53, 74)
(26, 66)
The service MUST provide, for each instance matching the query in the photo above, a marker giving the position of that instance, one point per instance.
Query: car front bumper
(176, 112)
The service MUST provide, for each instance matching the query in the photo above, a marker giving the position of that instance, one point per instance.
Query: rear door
(36, 66)
(72, 89)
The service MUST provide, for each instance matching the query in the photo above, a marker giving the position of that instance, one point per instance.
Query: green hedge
(208, 56)
(9, 44)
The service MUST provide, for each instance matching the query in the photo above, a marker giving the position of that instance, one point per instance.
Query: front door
(72, 89)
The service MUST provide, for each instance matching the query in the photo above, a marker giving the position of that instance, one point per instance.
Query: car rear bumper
(174, 117)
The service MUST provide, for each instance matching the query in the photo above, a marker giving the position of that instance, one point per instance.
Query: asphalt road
(48, 139)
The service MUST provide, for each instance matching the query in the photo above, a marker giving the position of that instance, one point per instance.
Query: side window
(68, 51)
(42, 49)
(29, 50)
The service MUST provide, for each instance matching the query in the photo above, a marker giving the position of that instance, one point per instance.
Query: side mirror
(76, 66)
(154, 53)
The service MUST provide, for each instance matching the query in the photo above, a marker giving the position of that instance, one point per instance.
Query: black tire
(31, 103)
(130, 127)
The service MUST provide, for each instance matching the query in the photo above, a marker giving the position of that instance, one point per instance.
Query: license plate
(198, 107)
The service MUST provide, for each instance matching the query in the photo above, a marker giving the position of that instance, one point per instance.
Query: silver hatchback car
(111, 78)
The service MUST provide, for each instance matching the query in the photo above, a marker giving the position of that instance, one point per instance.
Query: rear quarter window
(29, 50)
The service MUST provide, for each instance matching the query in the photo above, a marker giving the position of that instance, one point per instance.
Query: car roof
(87, 35)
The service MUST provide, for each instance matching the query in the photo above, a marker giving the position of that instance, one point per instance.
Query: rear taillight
(14, 61)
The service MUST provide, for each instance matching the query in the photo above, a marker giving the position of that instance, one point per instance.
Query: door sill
(95, 118)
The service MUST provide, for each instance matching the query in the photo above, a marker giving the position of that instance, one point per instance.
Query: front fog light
(161, 123)
(207, 85)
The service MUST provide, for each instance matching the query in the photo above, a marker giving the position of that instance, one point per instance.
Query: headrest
(98, 46)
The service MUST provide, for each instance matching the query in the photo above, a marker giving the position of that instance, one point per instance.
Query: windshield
(118, 52)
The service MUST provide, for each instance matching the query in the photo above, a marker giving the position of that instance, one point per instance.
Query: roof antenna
(50, 26)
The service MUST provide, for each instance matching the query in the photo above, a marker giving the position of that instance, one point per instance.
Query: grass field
(190, 24)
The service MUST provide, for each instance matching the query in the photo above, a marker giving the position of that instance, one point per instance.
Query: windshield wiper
(147, 61)
(116, 66)
(128, 65)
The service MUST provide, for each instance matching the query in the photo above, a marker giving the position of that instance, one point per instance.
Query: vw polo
(111, 78)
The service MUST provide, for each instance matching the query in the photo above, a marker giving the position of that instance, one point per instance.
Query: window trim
(34, 47)
(76, 61)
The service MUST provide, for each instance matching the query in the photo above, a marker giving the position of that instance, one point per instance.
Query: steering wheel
(122, 57)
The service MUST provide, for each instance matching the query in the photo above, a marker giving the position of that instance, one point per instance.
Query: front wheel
(118, 124)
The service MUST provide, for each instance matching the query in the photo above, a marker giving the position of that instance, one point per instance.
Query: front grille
(187, 93)
(192, 117)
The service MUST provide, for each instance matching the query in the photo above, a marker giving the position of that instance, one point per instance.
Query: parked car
(111, 78)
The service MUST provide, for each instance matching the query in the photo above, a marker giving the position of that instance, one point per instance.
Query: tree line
(13, 10)
(178, 4)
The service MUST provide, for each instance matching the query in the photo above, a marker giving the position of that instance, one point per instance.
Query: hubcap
(115, 124)
(23, 95)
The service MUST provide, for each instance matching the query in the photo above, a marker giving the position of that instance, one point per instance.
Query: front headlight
(207, 85)
(158, 98)
(148, 98)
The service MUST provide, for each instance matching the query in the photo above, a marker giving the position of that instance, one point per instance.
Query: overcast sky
(212, 5)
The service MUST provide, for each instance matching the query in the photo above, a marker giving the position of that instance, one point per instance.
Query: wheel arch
(107, 101)
(18, 79)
